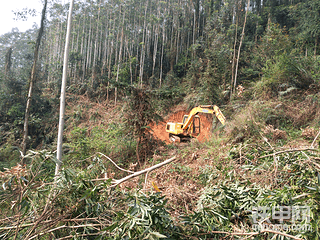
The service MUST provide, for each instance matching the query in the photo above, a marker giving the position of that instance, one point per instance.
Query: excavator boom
(204, 109)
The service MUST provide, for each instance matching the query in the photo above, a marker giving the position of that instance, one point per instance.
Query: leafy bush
(112, 141)
(145, 218)
(9, 156)
(166, 97)
(283, 72)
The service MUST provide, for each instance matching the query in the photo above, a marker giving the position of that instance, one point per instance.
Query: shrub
(140, 112)
(112, 140)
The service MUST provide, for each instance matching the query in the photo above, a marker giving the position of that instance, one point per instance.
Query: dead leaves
(17, 171)
(308, 133)
(275, 133)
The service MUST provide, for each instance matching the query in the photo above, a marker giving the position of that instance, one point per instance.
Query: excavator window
(185, 117)
(196, 125)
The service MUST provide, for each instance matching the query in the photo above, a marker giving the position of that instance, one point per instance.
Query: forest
(134, 65)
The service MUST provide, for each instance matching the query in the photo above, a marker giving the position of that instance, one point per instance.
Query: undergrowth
(78, 206)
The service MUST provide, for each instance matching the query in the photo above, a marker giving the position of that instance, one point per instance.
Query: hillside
(266, 155)
(135, 65)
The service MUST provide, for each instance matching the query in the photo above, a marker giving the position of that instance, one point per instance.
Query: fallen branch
(314, 140)
(116, 182)
(257, 233)
(79, 235)
(49, 222)
(64, 226)
(289, 150)
(314, 163)
(115, 163)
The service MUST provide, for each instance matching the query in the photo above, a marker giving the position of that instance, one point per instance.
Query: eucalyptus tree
(8, 62)
(32, 80)
(55, 36)
(96, 44)
(63, 90)
(16, 62)
(120, 50)
(21, 44)
(240, 44)
(307, 13)
(109, 36)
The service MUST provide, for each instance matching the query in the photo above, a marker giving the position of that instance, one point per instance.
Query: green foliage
(220, 207)
(167, 97)
(140, 113)
(9, 154)
(122, 216)
(18, 180)
(284, 72)
(12, 111)
(306, 13)
(12, 101)
(224, 203)
(209, 72)
(281, 65)
(112, 141)
(145, 218)
(229, 201)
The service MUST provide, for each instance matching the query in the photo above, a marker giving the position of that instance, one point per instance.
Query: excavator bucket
(219, 115)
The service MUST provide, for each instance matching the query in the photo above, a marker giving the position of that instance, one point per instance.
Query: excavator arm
(204, 109)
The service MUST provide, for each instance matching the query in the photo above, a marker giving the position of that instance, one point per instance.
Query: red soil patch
(159, 130)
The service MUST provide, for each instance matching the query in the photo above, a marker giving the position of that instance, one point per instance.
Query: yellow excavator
(190, 126)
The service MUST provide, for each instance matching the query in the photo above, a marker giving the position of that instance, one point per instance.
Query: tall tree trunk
(234, 52)
(119, 59)
(82, 48)
(32, 81)
(256, 32)
(144, 38)
(63, 93)
(242, 36)
(162, 50)
(88, 48)
(130, 63)
(95, 53)
(194, 33)
(8, 62)
(155, 49)
(106, 48)
(315, 46)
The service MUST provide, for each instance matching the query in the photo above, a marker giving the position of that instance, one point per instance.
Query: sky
(7, 16)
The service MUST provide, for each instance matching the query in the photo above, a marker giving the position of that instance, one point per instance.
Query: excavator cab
(195, 126)
(176, 132)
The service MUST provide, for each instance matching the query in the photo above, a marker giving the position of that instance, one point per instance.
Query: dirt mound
(159, 130)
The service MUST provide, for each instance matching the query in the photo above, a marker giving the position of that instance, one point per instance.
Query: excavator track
(178, 139)
(174, 138)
